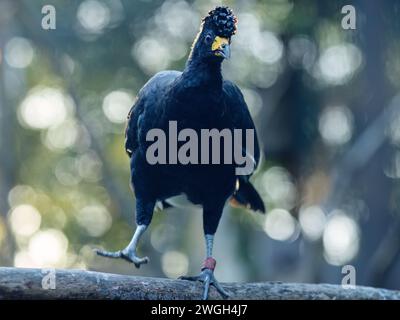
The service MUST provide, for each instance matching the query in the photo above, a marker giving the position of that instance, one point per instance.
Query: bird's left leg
(210, 223)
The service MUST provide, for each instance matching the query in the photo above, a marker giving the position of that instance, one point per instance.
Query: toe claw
(139, 261)
(108, 254)
(221, 290)
(123, 254)
(207, 277)
(130, 257)
(207, 282)
(189, 278)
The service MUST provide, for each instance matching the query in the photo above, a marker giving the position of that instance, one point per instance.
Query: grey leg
(209, 244)
(207, 271)
(129, 253)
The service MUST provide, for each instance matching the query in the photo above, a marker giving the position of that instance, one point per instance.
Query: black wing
(245, 194)
(151, 93)
(240, 115)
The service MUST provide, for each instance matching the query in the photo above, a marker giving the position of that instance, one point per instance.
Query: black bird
(197, 98)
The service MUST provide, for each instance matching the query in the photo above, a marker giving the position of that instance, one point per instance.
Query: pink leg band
(209, 263)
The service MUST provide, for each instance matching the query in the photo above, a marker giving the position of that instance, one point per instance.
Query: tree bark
(16, 283)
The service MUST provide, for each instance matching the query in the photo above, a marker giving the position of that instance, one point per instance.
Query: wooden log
(18, 283)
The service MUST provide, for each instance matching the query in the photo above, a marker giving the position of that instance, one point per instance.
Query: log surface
(18, 283)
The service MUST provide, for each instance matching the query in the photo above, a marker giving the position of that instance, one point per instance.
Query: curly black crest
(222, 20)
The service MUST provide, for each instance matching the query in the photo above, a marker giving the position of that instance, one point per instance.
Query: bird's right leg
(144, 214)
(129, 253)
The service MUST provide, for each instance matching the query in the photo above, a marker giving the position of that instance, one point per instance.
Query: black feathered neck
(203, 73)
(200, 71)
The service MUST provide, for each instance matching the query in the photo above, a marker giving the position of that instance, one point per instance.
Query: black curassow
(197, 98)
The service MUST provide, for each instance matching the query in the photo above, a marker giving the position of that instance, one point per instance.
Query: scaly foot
(207, 277)
(125, 254)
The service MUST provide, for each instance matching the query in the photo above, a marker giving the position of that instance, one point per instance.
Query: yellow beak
(221, 47)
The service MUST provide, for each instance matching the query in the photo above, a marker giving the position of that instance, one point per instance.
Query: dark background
(325, 102)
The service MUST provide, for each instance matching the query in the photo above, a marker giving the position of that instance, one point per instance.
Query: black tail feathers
(247, 196)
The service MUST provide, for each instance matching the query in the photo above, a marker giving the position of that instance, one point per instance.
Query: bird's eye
(208, 38)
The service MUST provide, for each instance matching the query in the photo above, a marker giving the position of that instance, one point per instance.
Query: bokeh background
(325, 102)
